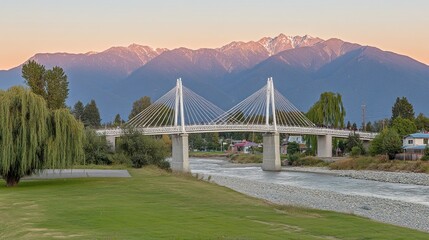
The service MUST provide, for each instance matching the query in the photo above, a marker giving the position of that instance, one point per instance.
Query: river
(394, 191)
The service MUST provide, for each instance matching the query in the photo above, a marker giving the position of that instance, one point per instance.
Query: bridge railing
(242, 128)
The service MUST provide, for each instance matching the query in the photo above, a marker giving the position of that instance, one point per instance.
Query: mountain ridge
(302, 67)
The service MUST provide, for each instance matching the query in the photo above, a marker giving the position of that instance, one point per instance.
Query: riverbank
(399, 213)
(381, 176)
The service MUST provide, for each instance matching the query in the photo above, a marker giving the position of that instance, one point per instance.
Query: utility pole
(363, 117)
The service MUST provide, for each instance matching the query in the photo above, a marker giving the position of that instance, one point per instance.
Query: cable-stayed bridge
(181, 111)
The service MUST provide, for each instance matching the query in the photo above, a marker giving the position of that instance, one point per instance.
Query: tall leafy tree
(91, 115)
(33, 138)
(139, 105)
(78, 110)
(404, 126)
(387, 142)
(56, 88)
(51, 84)
(402, 108)
(328, 110)
(391, 144)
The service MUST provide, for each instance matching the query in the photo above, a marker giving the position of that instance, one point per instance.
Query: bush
(96, 148)
(144, 150)
(293, 158)
(356, 151)
(308, 161)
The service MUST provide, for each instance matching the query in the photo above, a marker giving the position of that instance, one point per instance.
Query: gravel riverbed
(395, 212)
(381, 176)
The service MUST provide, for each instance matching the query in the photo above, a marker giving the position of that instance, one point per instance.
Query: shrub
(144, 150)
(121, 159)
(293, 158)
(308, 161)
(356, 151)
(97, 150)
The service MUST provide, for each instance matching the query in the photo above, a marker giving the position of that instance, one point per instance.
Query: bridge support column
(180, 158)
(271, 156)
(324, 146)
(111, 140)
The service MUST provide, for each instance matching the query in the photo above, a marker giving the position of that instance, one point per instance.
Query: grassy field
(154, 204)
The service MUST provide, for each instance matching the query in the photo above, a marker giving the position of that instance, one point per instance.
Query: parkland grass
(154, 204)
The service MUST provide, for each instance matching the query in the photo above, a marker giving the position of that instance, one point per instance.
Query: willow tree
(328, 111)
(33, 138)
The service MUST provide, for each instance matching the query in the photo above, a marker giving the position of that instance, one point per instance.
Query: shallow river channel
(344, 185)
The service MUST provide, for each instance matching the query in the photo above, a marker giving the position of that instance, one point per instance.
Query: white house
(415, 143)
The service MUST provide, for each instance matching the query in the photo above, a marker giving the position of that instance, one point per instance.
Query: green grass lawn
(157, 205)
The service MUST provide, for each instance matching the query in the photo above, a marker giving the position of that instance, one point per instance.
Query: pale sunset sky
(28, 27)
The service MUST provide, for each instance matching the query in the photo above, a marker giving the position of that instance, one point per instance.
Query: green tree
(353, 140)
(422, 122)
(369, 127)
(34, 76)
(118, 120)
(387, 142)
(91, 115)
(139, 106)
(404, 126)
(391, 144)
(96, 148)
(51, 84)
(212, 140)
(328, 111)
(56, 88)
(376, 145)
(292, 148)
(144, 150)
(33, 138)
(78, 110)
(196, 141)
(402, 108)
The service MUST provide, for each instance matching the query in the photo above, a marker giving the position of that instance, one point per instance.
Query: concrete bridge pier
(271, 156)
(324, 146)
(111, 140)
(180, 154)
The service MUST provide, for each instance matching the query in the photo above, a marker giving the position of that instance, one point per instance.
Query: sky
(28, 27)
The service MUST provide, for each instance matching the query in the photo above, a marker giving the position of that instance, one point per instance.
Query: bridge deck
(242, 128)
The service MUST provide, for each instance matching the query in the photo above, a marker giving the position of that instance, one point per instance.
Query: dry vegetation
(381, 163)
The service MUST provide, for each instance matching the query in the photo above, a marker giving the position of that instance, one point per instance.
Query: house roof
(418, 135)
(245, 144)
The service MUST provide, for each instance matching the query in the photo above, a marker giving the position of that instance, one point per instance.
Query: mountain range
(302, 68)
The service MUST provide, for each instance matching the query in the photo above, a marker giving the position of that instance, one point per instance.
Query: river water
(395, 191)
